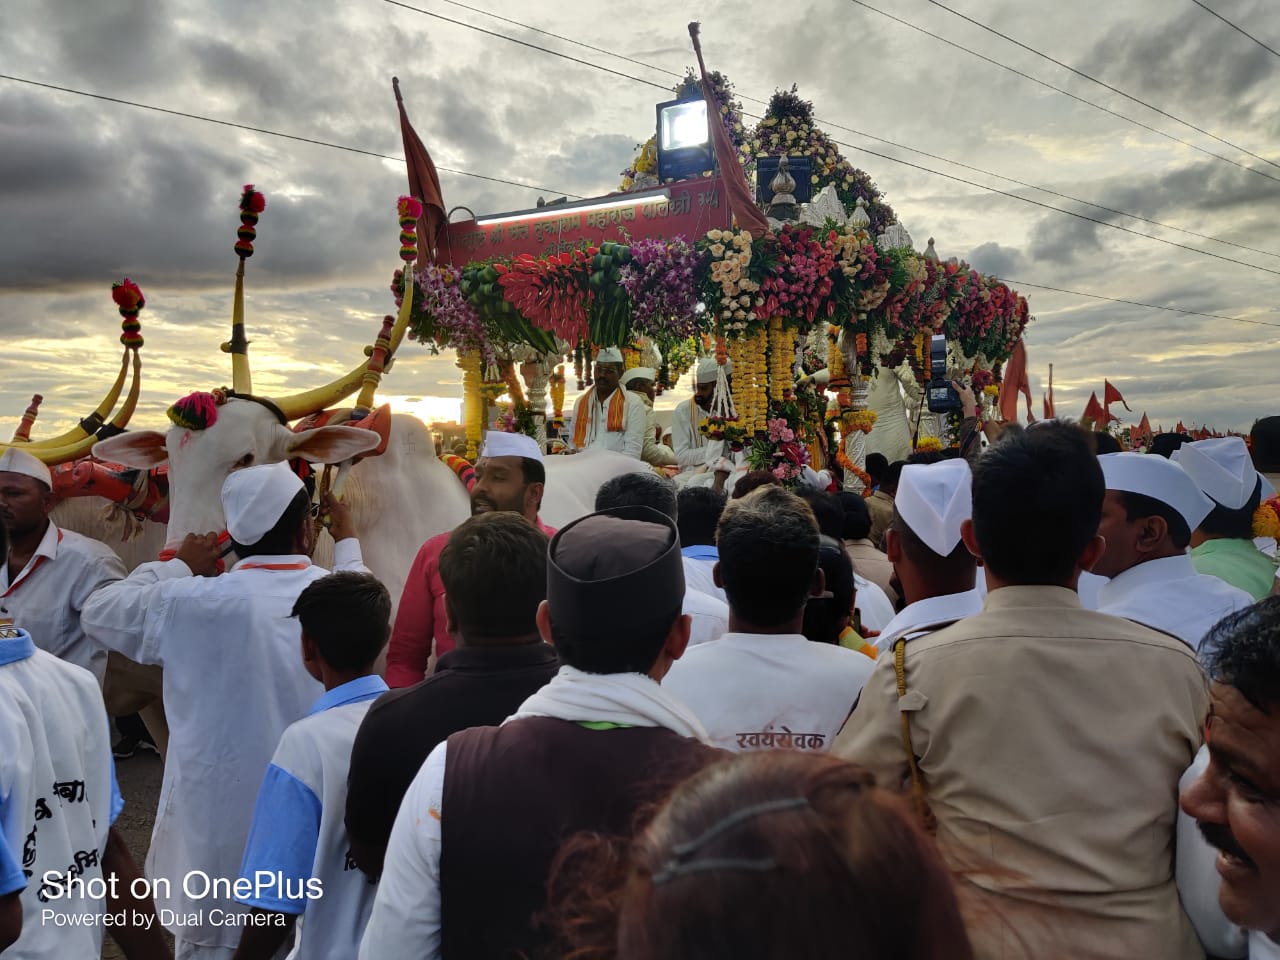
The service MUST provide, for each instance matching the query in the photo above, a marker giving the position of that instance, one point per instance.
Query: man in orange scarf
(608, 417)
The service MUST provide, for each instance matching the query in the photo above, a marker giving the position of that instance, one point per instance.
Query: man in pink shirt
(510, 477)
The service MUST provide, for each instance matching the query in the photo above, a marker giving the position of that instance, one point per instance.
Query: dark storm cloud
(995, 259)
(1193, 63)
(1057, 239)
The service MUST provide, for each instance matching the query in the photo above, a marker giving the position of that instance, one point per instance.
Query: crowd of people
(1023, 702)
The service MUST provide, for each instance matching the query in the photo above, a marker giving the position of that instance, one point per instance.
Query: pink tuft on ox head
(238, 433)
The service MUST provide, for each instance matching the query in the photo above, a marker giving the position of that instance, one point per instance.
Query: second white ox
(398, 499)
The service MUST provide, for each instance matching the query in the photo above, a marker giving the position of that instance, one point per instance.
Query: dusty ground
(139, 778)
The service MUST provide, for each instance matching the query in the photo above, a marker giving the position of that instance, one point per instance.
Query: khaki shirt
(880, 504)
(1051, 739)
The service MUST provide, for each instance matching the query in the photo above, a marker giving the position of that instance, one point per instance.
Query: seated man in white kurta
(693, 450)
(1152, 506)
(607, 417)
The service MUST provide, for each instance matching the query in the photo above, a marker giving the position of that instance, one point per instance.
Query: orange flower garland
(1266, 519)
(848, 466)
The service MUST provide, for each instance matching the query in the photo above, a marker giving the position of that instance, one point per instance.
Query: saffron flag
(424, 183)
(1180, 428)
(741, 203)
(1094, 413)
(1143, 432)
(1111, 395)
(1015, 382)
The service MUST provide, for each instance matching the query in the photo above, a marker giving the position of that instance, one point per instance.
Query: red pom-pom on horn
(129, 300)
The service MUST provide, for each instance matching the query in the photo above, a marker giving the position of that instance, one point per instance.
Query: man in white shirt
(640, 381)
(58, 802)
(232, 680)
(467, 867)
(1229, 868)
(693, 450)
(297, 838)
(936, 571)
(1151, 507)
(763, 684)
(607, 416)
(48, 572)
(698, 512)
(708, 612)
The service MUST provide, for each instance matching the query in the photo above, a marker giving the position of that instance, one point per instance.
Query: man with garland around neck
(608, 416)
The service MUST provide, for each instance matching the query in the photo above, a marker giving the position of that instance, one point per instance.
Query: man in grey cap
(599, 743)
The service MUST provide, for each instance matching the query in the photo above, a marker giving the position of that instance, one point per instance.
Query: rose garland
(732, 283)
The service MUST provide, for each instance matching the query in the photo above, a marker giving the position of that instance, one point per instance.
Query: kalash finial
(783, 206)
(860, 219)
(930, 253)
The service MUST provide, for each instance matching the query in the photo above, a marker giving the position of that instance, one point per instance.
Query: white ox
(398, 499)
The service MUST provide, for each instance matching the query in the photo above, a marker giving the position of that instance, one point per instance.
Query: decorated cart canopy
(670, 270)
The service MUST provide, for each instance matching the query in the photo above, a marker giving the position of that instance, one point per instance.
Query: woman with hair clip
(766, 855)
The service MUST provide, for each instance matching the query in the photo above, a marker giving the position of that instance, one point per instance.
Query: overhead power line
(274, 133)
(1102, 83)
(1135, 303)
(526, 43)
(1237, 29)
(829, 123)
(1065, 93)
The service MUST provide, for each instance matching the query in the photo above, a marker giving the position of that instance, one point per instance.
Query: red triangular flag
(1111, 395)
(1048, 410)
(1015, 382)
(741, 203)
(1179, 428)
(1144, 429)
(1094, 413)
(424, 183)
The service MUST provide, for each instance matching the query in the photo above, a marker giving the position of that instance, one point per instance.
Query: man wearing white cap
(49, 572)
(693, 449)
(763, 685)
(1042, 737)
(1222, 545)
(935, 569)
(640, 380)
(1151, 507)
(607, 416)
(233, 680)
(510, 476)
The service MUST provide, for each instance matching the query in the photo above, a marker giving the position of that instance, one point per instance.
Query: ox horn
(368, 374)
(23, 433)
(78, 441)
(252, 203)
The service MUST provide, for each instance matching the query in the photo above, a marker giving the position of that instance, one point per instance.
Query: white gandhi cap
(14, 460)
(933, 500)
(609, 355)
(1221, 468)
(707, 369)
(498, 443)
(1158, 478)
(638, 373)
(254, 499)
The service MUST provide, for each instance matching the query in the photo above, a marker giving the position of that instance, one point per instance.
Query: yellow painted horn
(238, 346)
(87, 427)
(303, 404)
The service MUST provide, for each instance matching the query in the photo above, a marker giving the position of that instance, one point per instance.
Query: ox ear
(140, 449)
(330, 444)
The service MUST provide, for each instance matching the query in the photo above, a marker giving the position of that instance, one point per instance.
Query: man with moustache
(510, 476)
(1229, 869)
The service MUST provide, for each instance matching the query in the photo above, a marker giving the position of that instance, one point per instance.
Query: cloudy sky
(91, 191)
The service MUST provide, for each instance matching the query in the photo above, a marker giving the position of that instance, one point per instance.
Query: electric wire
(1236, 28)
(1134, 303)
(275, 133)
(1102, 83)
(1065, 93)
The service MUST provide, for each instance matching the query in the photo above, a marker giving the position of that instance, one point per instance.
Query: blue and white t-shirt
(298, 849)
(58, 798)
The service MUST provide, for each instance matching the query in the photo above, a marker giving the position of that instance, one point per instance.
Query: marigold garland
(1266, 519)
(929, 445)
(472, 403)
(848, 466)
(862, 420)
